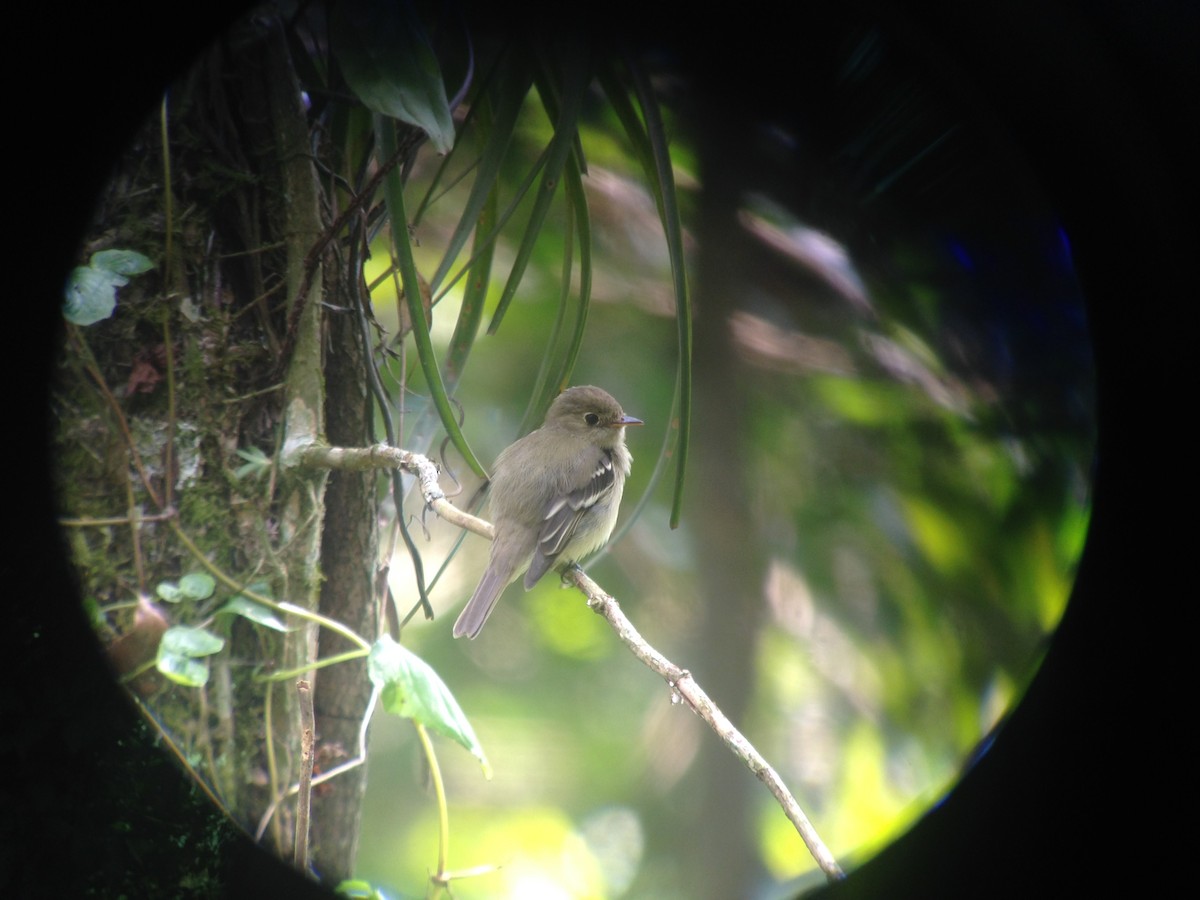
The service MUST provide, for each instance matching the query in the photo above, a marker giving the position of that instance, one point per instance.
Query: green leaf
(257, 463)
(647, 134)
(198, 585)
(169, 591)
(95, 614)
(181, 652)
(360, 889)
(187, 640)
(91, 295)
(255, 612)
(474, 296)
(388, 62)
(663, 179)
(401, 241)
(91, 290)
(410, 688)
(183, 669)
(564, 108)
(121, 262)
(497, 125)
(558, 364)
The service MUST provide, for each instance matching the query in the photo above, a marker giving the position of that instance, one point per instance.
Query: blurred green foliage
(921, 515)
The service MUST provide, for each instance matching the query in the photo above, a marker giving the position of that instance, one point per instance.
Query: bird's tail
(479, 607)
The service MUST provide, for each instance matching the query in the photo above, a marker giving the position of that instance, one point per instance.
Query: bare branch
(381, 456)
(327, 775)
(304, 790)
(685, 687)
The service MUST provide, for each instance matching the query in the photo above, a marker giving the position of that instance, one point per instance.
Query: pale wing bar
(562, 518)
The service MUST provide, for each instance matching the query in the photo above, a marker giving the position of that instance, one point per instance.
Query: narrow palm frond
(648, 139)
(574, 78)
(402, 246)
(501, 104)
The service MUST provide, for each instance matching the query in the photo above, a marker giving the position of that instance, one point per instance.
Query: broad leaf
(388, 62)
(409, 687)
(184, 670)
(181, 652)
(255, 612)
(198, 585)
(121, 262)
(188, 640)
(91, 290)
(91, 295)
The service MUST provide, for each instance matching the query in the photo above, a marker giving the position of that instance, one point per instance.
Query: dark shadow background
(1102, 97)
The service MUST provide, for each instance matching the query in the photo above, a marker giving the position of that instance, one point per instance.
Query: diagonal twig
(685, 687)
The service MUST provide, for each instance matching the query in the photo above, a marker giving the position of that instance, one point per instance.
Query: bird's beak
(626, 420)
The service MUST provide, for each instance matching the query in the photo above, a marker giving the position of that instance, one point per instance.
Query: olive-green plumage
(554, 495)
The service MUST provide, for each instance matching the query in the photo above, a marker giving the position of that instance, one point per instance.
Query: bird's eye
(591, 419)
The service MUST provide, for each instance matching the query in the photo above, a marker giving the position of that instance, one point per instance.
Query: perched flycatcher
(554, 495)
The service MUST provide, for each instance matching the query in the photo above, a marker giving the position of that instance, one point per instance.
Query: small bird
(555, 494)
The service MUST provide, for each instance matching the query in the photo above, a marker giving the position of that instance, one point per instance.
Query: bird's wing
(562, 516)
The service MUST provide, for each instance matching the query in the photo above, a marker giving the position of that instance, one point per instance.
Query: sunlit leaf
(197, 585)
(257, 463)
(360, 889)
(862, 402)
(387, 60)
(121, 262)
(188, 640)
(169, 591)
(255, 612)
(91, 290)
(938, 533)
(410, 688)
(181, 652)
(91, 295)
(183, 669)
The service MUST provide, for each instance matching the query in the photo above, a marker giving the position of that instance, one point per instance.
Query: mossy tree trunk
(228, 346)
